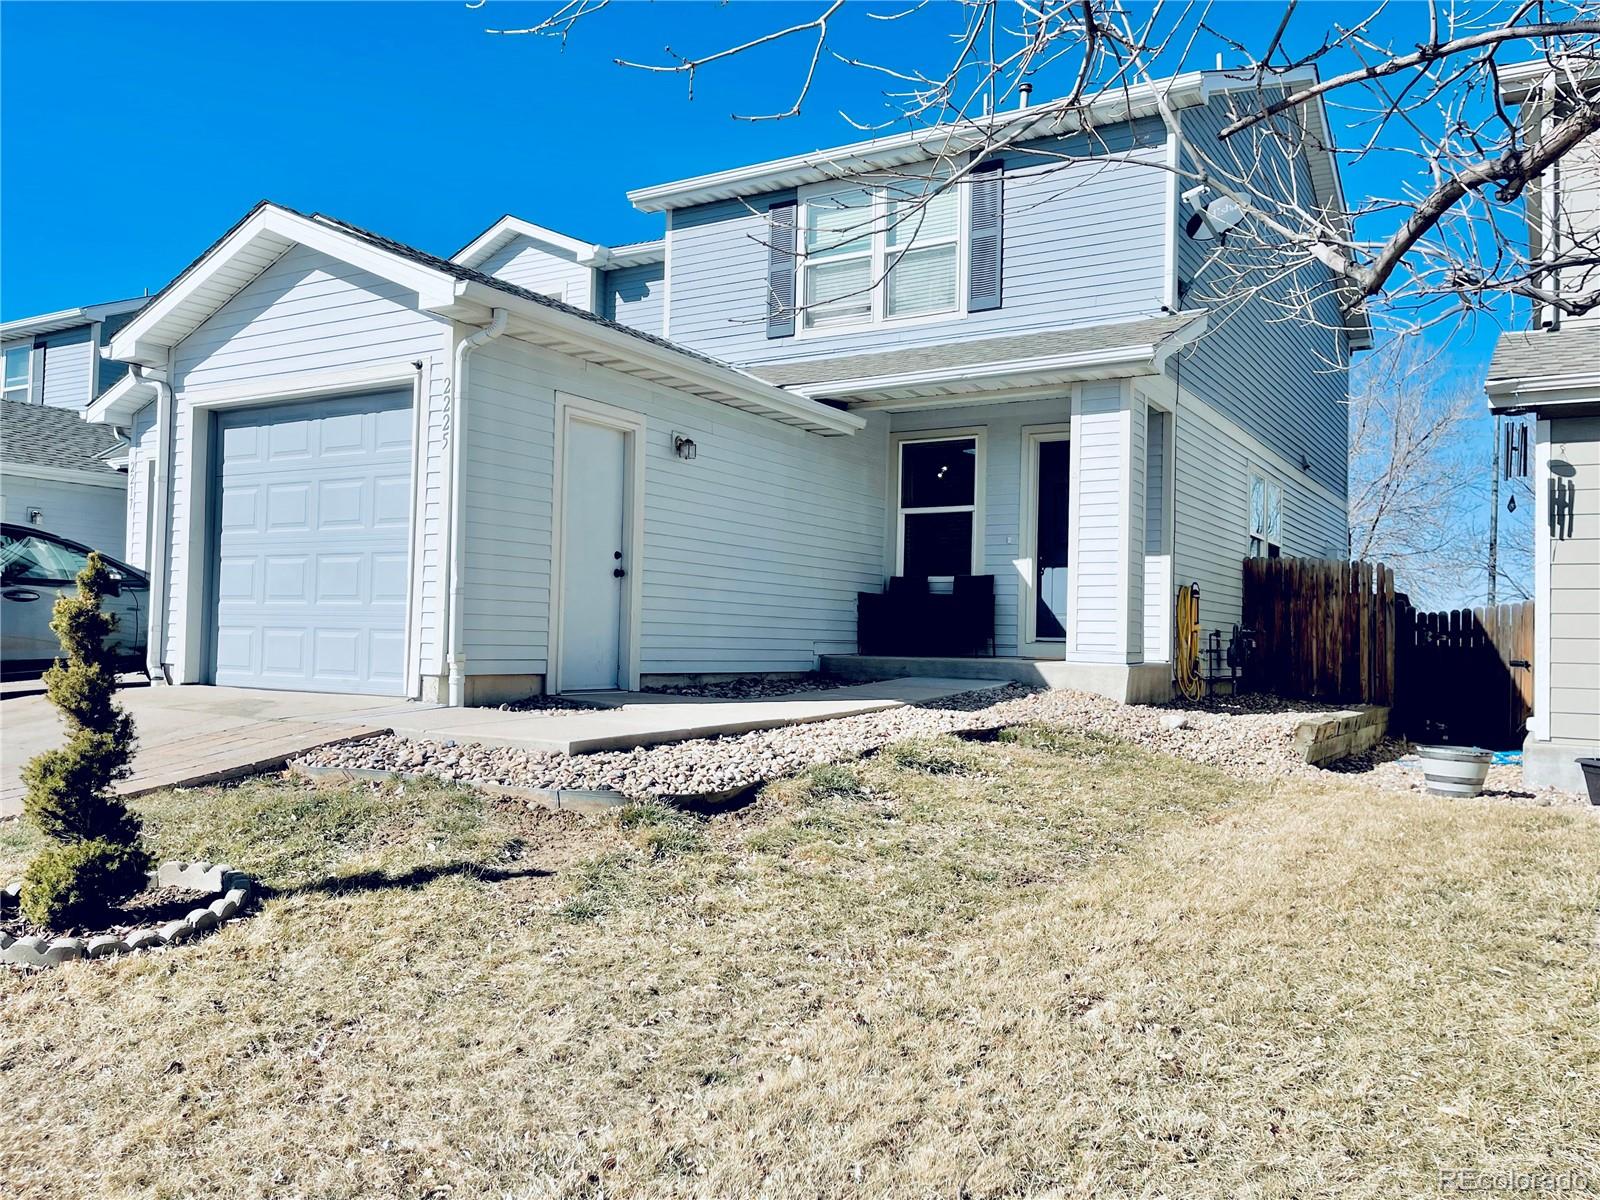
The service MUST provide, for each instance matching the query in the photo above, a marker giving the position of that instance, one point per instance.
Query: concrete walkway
(632, 719)
(192, 735)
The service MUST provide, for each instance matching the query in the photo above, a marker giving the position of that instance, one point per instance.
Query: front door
(594, 566)
(1045, 601)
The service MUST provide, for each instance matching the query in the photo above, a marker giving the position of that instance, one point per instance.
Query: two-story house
(1552, 371)
(56, 473)
(547, 463)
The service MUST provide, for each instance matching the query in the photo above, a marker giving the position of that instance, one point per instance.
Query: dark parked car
(36, 567)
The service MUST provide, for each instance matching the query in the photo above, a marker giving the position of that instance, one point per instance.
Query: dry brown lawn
(1047, 966)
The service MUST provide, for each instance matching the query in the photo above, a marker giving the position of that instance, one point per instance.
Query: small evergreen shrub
(98, 859)
(69, 884)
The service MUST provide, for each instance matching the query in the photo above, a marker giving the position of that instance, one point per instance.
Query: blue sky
(133, 134)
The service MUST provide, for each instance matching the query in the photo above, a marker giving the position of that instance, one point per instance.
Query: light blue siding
(636, 296)
(309, 312)
(1084, 243)
(1211, 519)
(1280, 375)
(68, 365)
(541, 268)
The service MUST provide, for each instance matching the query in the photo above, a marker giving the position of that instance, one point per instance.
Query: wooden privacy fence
(1322, 630)
(1336, 631)
(1465, 677)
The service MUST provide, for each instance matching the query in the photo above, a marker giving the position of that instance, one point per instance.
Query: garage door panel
(312, 573)
(288, 508)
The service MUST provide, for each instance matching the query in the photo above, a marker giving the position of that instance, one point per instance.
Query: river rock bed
(1254, 746)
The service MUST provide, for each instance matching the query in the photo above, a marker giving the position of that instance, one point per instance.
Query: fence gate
(1466, 676)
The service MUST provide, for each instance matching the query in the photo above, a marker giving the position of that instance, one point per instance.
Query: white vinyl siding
(308, 312)
(753, 552)
(547, 270)
(141, 462)
(1097, 599)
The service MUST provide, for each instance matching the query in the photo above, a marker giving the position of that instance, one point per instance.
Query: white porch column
(1106, 546)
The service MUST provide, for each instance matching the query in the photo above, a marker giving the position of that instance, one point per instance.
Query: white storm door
(594, 541)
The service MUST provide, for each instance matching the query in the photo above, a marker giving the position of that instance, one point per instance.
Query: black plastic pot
(1591, 777)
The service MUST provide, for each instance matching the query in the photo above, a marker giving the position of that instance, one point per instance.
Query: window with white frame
(1266, 518)
(904, 233)
(18, 377)
(937, 506)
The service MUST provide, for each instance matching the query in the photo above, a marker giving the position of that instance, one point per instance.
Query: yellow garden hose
(1191, 685)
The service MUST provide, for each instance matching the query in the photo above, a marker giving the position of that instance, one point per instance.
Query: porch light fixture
(684, 447)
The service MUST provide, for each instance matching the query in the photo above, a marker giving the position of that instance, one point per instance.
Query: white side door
(594, 539)
(1046, 471)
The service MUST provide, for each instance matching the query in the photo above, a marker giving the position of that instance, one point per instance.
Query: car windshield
(31, 559)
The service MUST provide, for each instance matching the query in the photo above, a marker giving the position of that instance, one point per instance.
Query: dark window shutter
(984, 243)
(781, 267)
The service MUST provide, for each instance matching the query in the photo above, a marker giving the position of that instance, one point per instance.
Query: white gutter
(160, 525)
(457, 528)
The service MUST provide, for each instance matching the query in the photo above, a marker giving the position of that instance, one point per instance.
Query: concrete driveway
(192, 734)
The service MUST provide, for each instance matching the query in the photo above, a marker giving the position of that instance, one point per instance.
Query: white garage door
(313, 520)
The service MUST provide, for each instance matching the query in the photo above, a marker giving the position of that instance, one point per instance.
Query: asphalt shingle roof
(39, 436)
(954, 356)
(1546, 353)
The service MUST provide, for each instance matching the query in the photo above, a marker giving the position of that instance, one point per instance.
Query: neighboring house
(56, 475)
(1553, 372)
(552, 464)
(56, 472)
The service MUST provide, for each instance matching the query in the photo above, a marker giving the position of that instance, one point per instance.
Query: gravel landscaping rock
(1250, 737)
(1255, 745)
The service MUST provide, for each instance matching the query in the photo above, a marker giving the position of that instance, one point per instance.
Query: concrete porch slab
(635, 719)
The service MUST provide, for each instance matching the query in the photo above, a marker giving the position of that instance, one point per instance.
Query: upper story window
(19, 374)
(1266, 518)
(882, 251)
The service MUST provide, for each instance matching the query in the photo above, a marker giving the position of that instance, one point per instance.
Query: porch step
(1032, 671)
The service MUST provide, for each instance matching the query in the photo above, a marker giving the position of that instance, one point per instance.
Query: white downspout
(457, 530)
(160, 525)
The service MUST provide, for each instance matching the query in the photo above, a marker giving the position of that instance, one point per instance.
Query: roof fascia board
(636, 255)
(576, 329)
(498, 234)
(142, 340)
(118, 404)
(1052, 118)
(1136, 359)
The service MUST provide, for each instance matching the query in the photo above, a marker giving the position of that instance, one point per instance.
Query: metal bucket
(1455, 770)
